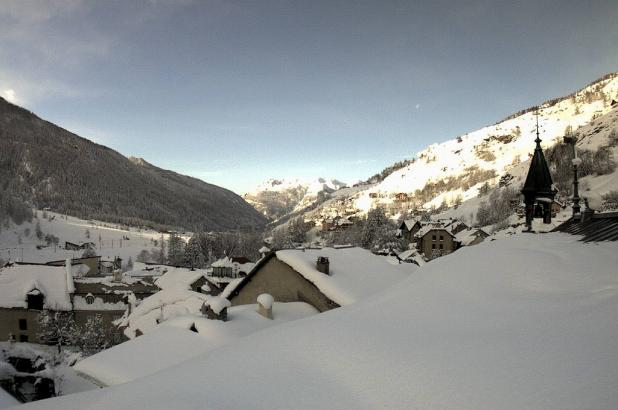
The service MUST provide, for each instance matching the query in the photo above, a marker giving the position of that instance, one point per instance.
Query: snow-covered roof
(183, 277)
(528, 321)
(412, 255)
(172, 342)
(431, 226)
(466, 236)
(224, 262)
(355, 273)
(162, 347)
(409, 223)
(54, 282)
(162, 306)
(218, 303)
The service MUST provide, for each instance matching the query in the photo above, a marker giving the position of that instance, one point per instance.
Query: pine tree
(281, 239)
(161, 257)
(57, 328)
(376, 228)
(297, 230)
(194, 256)
(38, 231)
(175, 250)
(129, 265)
(92, 337)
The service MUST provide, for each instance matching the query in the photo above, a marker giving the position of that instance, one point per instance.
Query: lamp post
(572, 140)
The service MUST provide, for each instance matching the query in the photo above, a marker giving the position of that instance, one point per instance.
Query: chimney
(117, 276)
(215, 308)
(265, 305)
(323, 265)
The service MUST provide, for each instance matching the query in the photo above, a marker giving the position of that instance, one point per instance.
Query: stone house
(409, 228)
(324, 278)
(434, 242)
(27, 290)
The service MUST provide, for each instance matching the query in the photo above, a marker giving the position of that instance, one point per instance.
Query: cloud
(9, 95)
(35, 11)
(417, 106)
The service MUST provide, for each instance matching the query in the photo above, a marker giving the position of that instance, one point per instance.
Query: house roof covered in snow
(467, 236)
(183, 277)
(54, 282)
(600, 227)
(180, 339)
(163, 305)
(425, 229)
(412, 255)
(355, 273)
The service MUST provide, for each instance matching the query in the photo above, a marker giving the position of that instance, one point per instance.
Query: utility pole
(572, 141)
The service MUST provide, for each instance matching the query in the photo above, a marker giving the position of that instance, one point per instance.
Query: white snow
(162, 347)
(524, 322)
(18, 280)
(266, 300)
(354, 272)
(162, 306)
(183, 277)
(73, 229)
(6, 400)
(172, 342)
(218, 303)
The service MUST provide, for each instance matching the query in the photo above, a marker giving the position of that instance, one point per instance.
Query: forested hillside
(43, 165)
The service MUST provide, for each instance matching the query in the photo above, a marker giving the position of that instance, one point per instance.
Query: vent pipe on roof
(265, 305)
(323, 265)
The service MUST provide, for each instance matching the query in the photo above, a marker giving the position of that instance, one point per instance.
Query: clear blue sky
(236, 92)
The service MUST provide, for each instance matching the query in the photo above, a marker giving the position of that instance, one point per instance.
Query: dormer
(35, 299)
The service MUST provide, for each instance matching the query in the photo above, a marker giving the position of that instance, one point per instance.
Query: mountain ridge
(450, 172)
(45, 165)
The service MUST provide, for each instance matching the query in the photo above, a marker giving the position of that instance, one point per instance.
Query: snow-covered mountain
(453, 171)
(277, 198)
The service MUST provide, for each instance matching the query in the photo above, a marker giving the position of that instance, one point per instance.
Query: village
(121, 318)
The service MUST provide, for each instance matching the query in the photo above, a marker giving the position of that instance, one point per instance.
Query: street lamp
(572, 141)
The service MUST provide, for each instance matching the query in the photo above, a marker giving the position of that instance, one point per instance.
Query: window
(441, 237)
(433, 237)
(35, 301)
(23, 324)
(23, 338)
(89, 299)
(441, 246)
(433, 246)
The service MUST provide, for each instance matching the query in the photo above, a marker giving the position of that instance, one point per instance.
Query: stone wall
(284, 284)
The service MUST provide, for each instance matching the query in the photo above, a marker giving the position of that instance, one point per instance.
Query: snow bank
(524, 322)
(147, 354)
(173, 342)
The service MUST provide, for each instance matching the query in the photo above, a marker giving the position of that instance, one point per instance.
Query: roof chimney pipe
(323, 265)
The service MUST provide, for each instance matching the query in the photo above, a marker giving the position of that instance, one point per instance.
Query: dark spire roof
(538, 182)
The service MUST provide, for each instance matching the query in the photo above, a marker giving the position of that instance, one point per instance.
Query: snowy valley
(451, 174)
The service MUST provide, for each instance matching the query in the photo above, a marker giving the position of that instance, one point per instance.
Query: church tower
(538, 190)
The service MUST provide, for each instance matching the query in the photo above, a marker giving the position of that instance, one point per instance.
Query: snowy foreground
(524, 322)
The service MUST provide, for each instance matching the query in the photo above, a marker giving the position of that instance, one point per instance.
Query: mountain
(44, 165)
(279, 198)
(451, 172)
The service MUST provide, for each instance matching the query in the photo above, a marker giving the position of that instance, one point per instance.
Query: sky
(237, 92)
